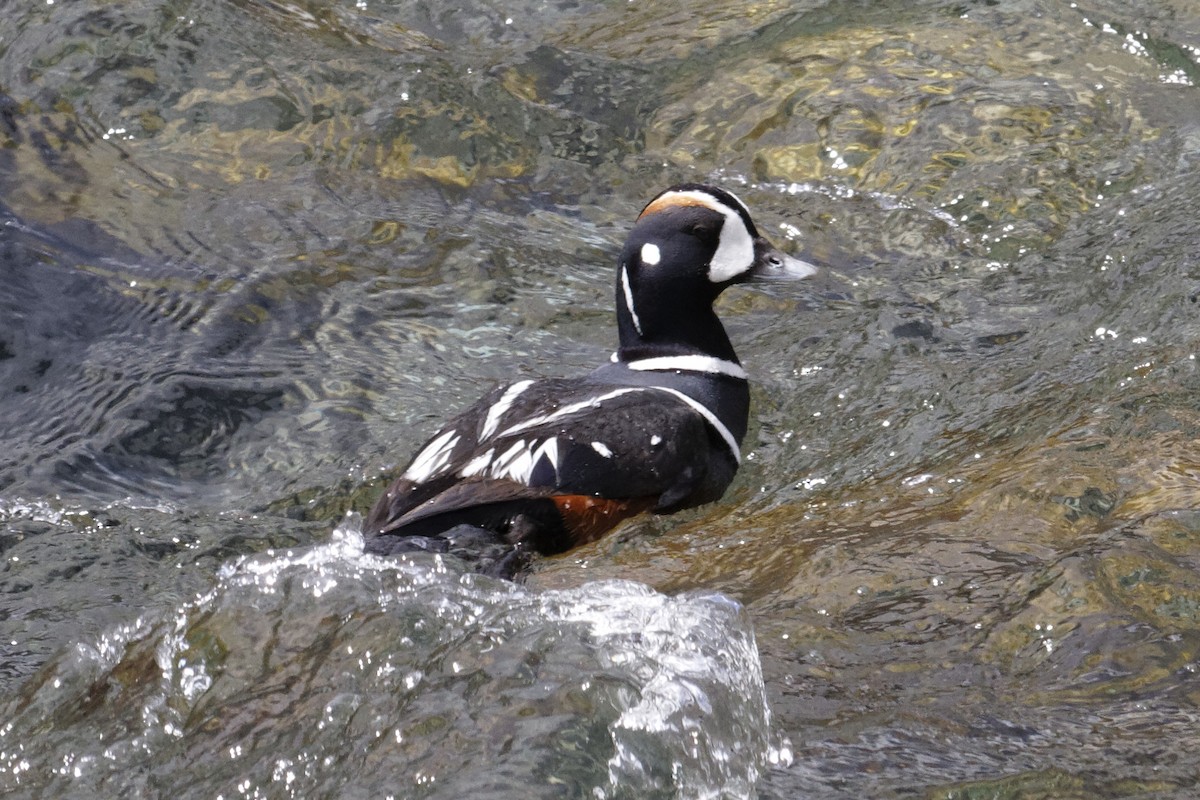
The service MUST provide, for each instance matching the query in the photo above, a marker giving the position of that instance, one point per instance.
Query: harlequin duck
(547, 465)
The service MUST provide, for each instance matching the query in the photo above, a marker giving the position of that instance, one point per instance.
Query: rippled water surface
(251, 253)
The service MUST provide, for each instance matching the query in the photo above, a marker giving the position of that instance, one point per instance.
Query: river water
(253, 252)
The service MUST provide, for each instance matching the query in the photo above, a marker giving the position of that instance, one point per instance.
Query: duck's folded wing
(644, 447)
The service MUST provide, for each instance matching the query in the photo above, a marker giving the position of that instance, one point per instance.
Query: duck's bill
(772, 265)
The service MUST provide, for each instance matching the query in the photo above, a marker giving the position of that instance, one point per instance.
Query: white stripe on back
(433, 459)
(478, 464)
(492, 420)
(594, 402)
(567, 410)
(517, 462)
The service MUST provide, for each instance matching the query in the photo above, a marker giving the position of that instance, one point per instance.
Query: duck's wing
(595, 455)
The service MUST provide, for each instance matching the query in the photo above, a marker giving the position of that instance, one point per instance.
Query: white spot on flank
(433, 459)
(602, 449)
(655, 440)
(637, 323)
(492, 420)
(651, 254)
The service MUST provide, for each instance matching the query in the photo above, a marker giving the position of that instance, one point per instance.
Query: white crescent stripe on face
(492, 420)
(735, 248)
(693, 363)
(735, 253)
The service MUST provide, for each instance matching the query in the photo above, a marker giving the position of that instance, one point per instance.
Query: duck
(543, 466)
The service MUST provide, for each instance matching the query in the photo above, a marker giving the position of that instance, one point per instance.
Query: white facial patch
(735, 248)
(602, 449)
(651, 254)
(735, 251)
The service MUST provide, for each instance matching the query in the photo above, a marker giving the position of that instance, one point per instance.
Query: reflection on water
(253, 253)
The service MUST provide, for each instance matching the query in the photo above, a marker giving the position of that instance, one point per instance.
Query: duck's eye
(775, 261)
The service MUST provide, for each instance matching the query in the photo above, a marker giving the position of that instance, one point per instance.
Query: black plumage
(544, 466)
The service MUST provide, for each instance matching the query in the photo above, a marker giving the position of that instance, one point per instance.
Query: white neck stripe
(637, 323)
(692, 363)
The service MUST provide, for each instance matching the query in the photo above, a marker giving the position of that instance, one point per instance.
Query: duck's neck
(662, 329)
(652, 324)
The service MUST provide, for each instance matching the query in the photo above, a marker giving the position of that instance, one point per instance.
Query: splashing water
(414, 679)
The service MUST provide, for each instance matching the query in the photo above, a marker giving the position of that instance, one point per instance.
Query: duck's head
(689, 244)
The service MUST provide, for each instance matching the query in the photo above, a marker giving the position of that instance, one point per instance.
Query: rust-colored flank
(587, 518)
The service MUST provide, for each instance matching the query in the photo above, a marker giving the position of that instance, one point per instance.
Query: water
(300, 669)
(253, 253)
